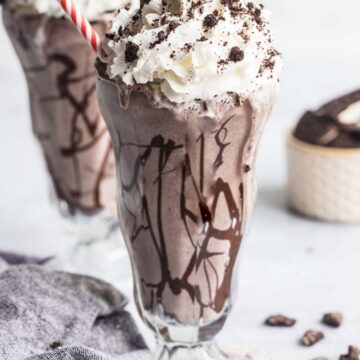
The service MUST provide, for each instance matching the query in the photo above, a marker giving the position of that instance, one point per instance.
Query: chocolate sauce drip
(205, 213)
(160, 151)
(220, 137)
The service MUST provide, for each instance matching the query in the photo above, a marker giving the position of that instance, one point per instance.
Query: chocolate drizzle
(182, 210)
(201, 256)
(220, 137)
(65, 116)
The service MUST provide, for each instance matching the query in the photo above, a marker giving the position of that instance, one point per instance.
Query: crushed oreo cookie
(161, 35)
(210, 21)
(250, 5)
(131, 52)
(280, 321)
(143, 3)
(110, 36)
(312, 337)
(333, 319)
(353, 354)
(173, 25)
(321, 127)
(236, 54)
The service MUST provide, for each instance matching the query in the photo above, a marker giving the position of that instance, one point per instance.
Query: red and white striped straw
(83, 25)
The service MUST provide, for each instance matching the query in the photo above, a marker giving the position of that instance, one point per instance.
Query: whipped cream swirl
(92, 9)
(194, 50)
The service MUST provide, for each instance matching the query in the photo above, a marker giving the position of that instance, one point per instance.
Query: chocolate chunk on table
(280, 321)
(333, 319)
(311, 337)
(353, 354)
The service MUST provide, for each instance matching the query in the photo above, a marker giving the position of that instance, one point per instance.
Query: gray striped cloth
(53, 315)
(82, 353)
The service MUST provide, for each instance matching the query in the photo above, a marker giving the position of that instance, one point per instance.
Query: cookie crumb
(55, 345)
(247, 168)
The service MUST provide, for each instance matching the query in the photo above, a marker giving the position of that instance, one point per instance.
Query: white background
(290, 264)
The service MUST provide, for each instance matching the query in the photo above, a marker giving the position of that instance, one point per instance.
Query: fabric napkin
(83, 353)
(53, 315)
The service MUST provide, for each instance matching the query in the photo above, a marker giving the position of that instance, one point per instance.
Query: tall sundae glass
(66, 120)
(185, 92)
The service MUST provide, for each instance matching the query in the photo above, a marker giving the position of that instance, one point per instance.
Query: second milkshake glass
(66, 120)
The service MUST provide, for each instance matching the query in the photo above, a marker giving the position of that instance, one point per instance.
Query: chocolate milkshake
(186, 92)
(59, 69)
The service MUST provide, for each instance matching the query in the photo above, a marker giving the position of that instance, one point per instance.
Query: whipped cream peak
(92, 9)
(193, 50)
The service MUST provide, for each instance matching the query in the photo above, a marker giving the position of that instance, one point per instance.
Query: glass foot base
(88, 228)
(241, 354)
(106, 259)
(82, 225)
(210, 352)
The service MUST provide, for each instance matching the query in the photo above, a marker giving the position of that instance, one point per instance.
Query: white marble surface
(290, 264)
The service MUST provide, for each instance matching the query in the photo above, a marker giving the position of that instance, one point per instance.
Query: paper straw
(83, 26)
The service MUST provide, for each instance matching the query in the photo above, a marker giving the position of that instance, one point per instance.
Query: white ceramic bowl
(324, 182)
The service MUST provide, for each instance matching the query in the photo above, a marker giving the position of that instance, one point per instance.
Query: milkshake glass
(66, 120)
(185, 144)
